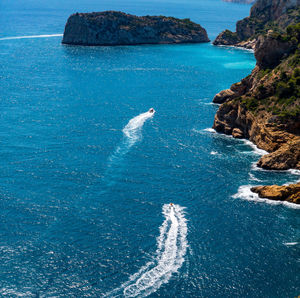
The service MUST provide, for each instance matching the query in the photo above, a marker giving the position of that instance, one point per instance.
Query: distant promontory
(118, 28)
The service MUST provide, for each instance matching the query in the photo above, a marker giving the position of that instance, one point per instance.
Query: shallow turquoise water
(85, 193)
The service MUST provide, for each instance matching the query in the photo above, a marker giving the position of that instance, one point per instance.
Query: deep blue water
(84, 193)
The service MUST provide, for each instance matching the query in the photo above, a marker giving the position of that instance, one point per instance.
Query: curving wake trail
(168, 258)
(133, 129)
(132, 134)
(30, 36)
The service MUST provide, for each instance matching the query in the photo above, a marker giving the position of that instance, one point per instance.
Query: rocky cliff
(118, 28)
(265, 15)
(265, 106)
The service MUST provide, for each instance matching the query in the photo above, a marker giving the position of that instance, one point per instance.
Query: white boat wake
(133, 129)
(30, 36)
(168, 258)
(132, 134)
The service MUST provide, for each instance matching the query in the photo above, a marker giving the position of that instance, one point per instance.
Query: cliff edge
(265, 106)
(118, 28)
(265, 15)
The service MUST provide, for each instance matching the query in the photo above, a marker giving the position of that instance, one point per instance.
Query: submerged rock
(118, 28)
(289, 193)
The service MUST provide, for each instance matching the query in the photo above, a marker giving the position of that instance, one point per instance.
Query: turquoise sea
(87, 174)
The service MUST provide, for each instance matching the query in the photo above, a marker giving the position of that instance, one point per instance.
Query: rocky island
(265, 106)
(118, 28)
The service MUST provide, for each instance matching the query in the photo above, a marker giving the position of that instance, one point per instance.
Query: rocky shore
(118, 28)
(265, 106)
(289, 193)
(265, 15)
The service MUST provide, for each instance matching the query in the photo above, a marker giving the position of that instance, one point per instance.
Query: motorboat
(152, 111)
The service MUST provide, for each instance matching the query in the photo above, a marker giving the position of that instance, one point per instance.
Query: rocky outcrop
(264, 15)
(265, 106)
(226, 38)
(289, 193)
(270, 50)
(236, 90)
(118, 28)
(284, 158)
(233, 118)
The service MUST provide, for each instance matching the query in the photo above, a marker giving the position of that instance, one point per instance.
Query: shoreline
(252, 196)
(235, 47)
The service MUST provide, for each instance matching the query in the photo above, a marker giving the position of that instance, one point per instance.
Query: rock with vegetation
(118, 28)
(265, 106)
(265, 15)
(289, 193)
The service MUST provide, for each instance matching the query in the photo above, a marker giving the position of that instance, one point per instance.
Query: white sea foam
(214, 153)
(256, 150)
(245, 193)
(204, 131)
(237, 48)
(295, 172)
(168, 258)
(211, 130)
(290, 243)
(210, 103)
(30, 36)
(253, 178)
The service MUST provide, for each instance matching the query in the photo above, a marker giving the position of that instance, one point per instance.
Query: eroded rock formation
(289, 193)
(265, 106)
(265, 15)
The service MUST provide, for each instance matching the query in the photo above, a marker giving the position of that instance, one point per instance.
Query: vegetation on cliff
(265, 106)
(278, 90)
(265, 15)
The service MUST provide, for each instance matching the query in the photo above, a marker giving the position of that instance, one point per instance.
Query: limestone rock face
(290, 193)
(286, 157)
(226, 38)
(118, 28)
(234, 119)
(236, 90)
(270, 10)
(269, 50)
(264, 14)
(223, 96)
(237, 133)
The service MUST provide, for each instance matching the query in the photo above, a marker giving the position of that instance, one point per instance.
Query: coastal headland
(265, 106)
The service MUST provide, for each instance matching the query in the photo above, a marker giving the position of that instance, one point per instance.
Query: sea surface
(87, 174)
